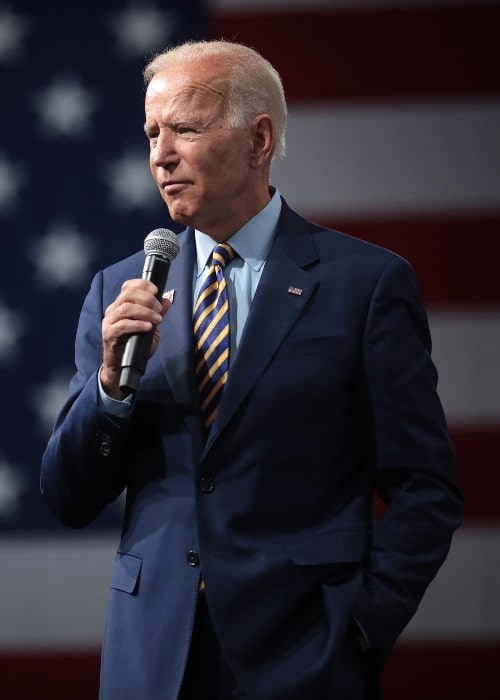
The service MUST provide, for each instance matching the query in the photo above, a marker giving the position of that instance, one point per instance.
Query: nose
(163, 152)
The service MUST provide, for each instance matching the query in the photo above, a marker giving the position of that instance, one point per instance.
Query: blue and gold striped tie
(211, 333)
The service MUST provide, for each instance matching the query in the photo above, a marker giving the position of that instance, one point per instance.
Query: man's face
(202, 167)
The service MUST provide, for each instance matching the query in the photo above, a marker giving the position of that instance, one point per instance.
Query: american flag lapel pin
(295, 290)
(169, 295)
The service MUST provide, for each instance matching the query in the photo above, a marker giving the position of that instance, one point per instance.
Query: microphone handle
(138, 345)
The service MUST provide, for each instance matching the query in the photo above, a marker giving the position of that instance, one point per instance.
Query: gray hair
(254, 85)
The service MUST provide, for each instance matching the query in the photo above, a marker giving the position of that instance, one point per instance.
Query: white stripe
(382, 159)
(54, 590)
(462, 603)
(466, 351)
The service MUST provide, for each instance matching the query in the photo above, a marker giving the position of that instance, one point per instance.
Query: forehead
(193, 86)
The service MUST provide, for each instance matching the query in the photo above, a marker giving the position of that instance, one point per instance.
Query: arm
(415, 462)
(84, 466)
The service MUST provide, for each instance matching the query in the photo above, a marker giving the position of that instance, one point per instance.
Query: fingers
(135, 310)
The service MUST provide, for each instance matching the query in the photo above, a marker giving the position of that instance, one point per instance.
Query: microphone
(161, 247)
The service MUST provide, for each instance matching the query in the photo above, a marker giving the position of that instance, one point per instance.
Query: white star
(62, 256)
(12, 327)
(65, 107)
(140, 30)
(11, 179)
(48, 399)
(12, 485)
(131, 184)
(13, 29)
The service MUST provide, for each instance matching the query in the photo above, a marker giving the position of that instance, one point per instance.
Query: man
(250, 564)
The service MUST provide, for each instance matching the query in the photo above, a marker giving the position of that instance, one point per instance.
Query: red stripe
(478, 457)
(413, 672)
(340, 54)
(50, 676)
(455, 259)
(442, 672)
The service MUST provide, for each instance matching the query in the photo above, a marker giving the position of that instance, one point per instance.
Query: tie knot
(222, 254)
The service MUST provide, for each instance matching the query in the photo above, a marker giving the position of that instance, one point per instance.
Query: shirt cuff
(114, 407)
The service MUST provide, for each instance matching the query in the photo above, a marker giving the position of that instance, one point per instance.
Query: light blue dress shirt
(251, 244)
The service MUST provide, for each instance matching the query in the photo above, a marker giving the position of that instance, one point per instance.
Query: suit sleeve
(83, 465)
(415, 469)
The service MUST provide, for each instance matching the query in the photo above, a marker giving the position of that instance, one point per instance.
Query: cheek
(153, 169)
(230, 168)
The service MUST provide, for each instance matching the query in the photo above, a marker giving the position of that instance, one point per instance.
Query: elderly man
(289, 382)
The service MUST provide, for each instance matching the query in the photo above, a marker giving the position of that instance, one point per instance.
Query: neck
(241, 217)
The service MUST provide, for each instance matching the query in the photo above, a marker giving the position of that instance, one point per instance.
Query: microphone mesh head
(162, 242)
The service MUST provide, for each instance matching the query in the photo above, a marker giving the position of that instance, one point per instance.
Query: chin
(177, 213)
(181, 212)
(180, 217)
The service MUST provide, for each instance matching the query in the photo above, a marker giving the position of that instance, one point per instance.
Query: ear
(263, 140)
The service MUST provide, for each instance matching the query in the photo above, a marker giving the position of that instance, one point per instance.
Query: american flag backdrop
(394, 136)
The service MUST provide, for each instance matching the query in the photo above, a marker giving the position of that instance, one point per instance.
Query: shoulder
(123, 268)
(334, 245)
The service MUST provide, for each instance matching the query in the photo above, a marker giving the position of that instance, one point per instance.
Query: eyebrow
(148, 126)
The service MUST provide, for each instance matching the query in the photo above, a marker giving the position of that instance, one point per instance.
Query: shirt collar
(251, 242)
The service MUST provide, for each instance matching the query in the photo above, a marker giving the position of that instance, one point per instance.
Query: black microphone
(161, 247)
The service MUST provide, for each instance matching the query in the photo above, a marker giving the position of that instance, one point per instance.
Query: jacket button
(207, 484)
(193, 558)
(104, 449)
(102, 443)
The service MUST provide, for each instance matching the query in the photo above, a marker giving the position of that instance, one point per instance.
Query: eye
(183, 129)
(151, 135)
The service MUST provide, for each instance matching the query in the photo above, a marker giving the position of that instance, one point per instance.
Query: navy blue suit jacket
(331, 397)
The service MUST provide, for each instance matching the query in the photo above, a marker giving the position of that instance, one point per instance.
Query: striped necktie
(211, 333)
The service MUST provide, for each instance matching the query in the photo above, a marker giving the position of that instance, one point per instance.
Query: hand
(135, 310)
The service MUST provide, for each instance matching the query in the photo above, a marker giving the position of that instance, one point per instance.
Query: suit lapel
(273, 312)
(176, 344)
(284, 290)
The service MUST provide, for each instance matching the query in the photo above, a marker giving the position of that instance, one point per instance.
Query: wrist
(109, 378)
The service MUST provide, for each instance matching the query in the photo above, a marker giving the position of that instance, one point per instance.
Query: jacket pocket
(347, 546)
(126, 572)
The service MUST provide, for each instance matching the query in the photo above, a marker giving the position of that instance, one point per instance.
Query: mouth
(173, 185)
